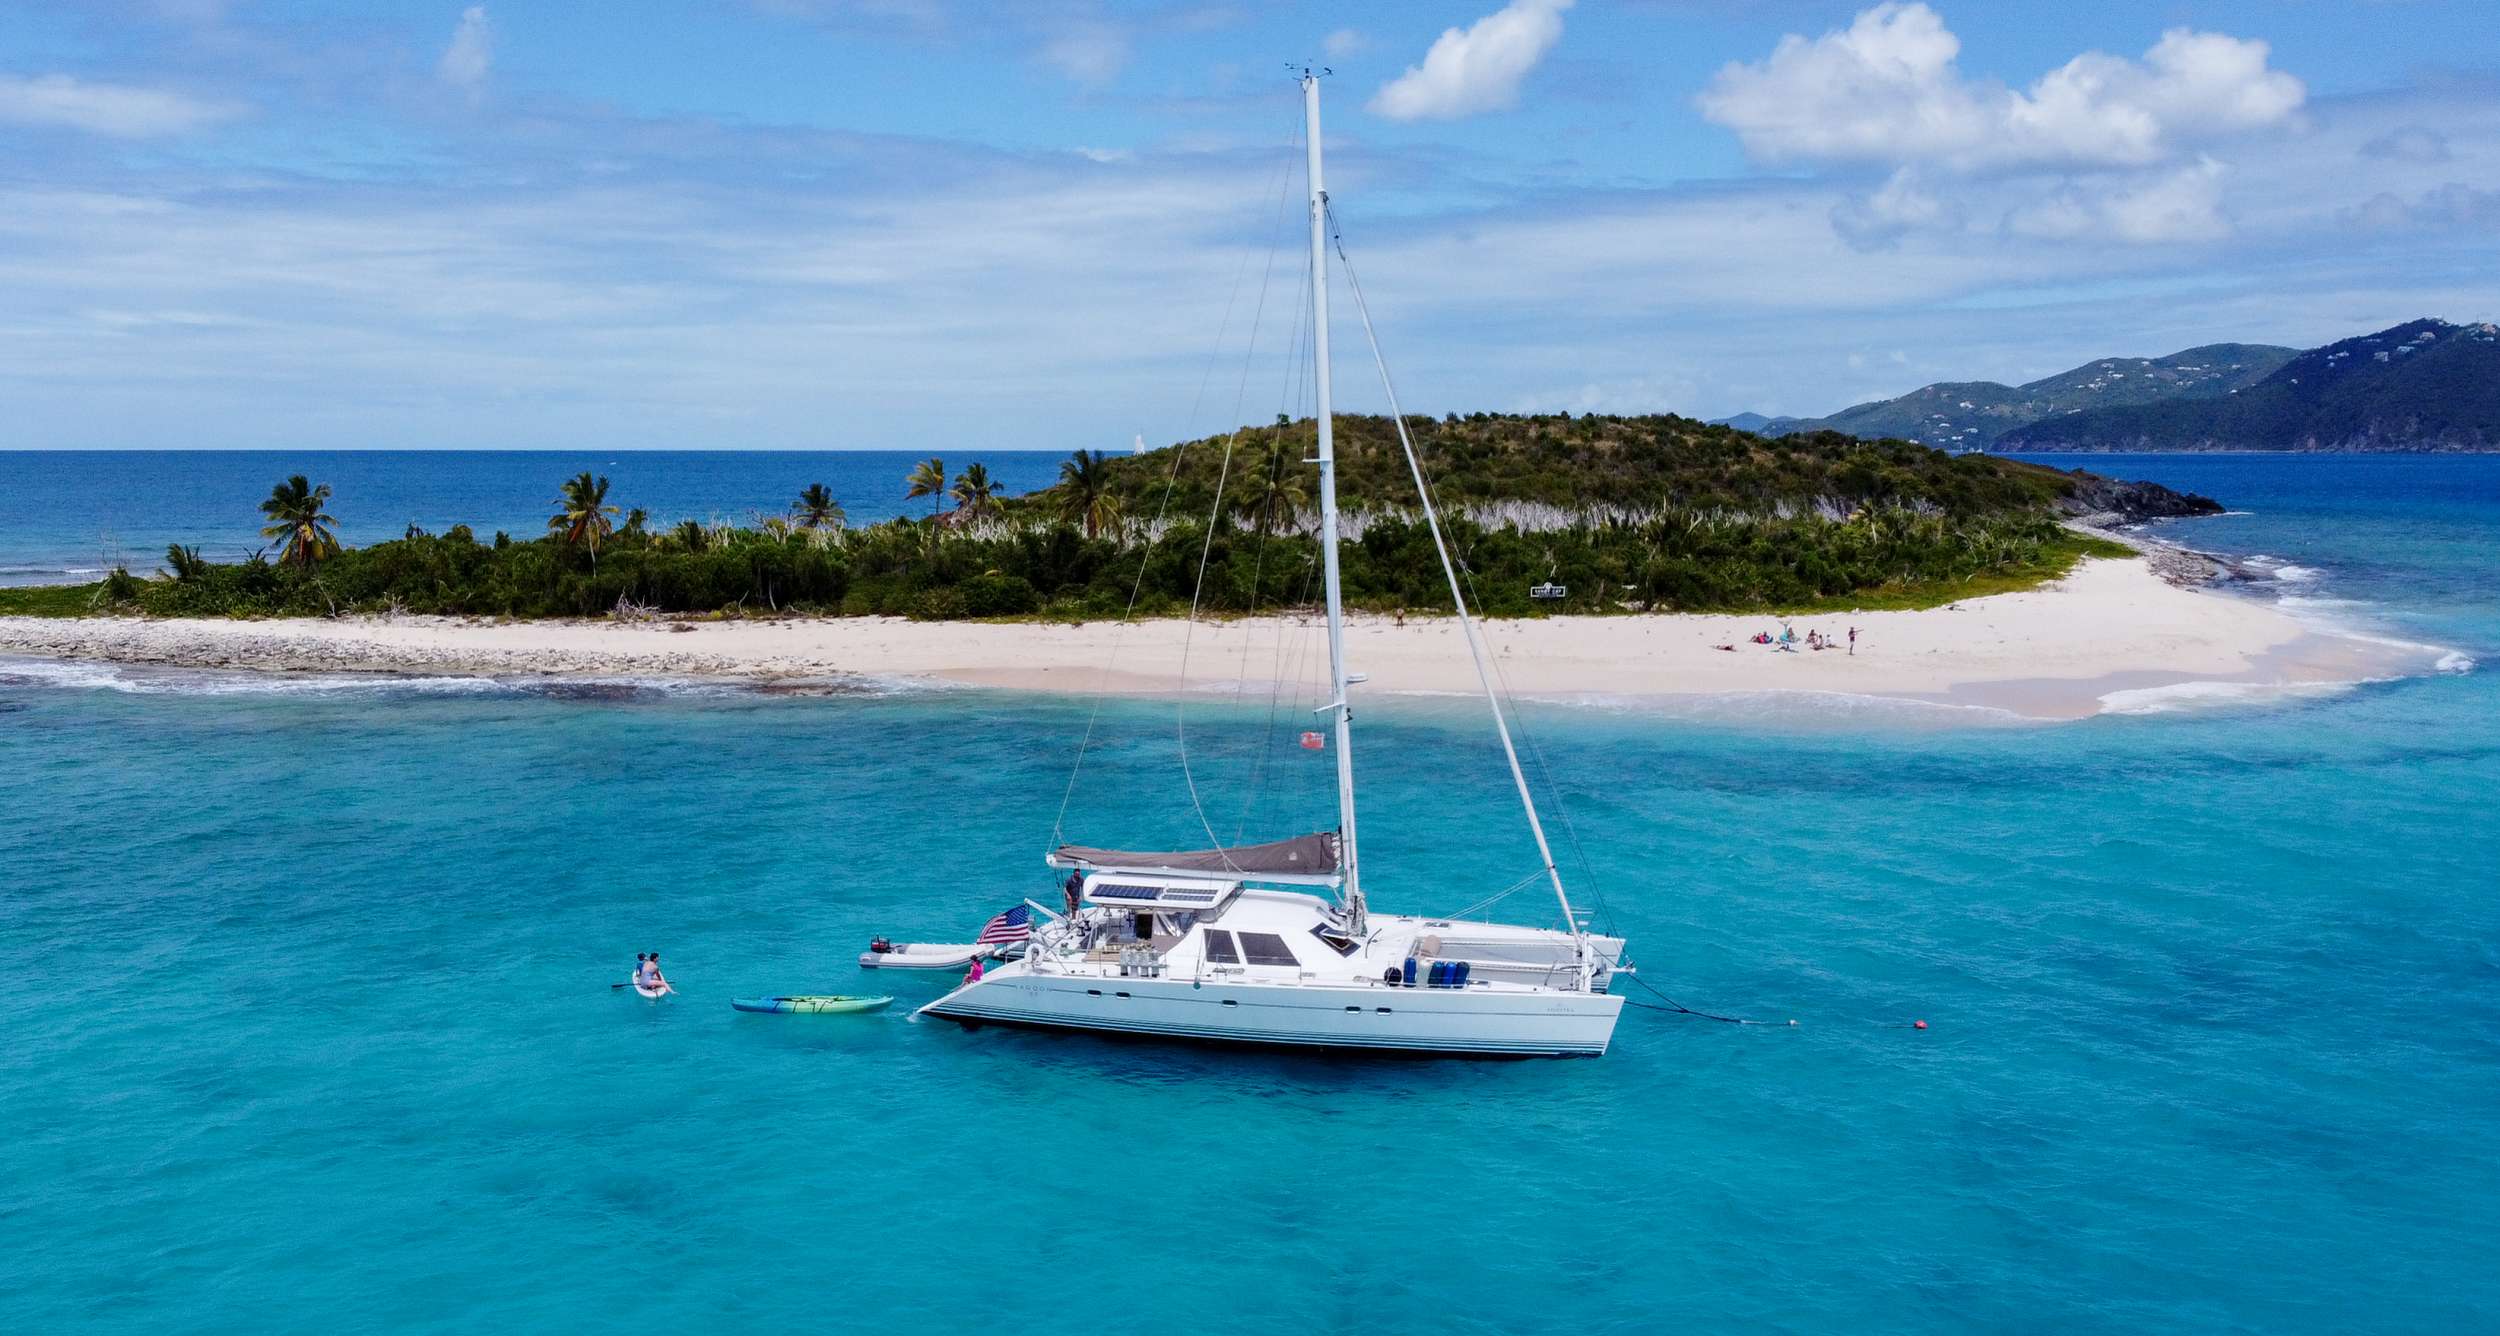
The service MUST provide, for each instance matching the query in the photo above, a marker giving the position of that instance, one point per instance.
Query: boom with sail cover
(1312, 858)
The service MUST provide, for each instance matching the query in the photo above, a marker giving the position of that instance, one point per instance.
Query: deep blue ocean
(67, 516)
(309, 1026)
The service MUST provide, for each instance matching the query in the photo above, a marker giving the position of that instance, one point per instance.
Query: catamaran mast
(1449, 569)
(1337, 706)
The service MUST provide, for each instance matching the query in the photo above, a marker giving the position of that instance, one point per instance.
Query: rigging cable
(1466, 625)
(1206, 548)
(1297, 379)
(1355, 285)
(1093, 717)
(1536, 753)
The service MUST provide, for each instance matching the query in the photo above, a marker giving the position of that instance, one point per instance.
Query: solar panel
(1132, 893)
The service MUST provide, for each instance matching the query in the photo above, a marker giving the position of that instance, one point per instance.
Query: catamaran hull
(1455, 1022)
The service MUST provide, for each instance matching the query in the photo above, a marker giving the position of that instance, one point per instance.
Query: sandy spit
(2053, 652)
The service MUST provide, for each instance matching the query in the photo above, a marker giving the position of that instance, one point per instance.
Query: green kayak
(818, 1003)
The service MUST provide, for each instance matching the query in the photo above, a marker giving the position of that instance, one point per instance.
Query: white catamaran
(1274, 943)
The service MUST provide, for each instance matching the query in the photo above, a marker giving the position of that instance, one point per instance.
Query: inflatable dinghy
(883, 955)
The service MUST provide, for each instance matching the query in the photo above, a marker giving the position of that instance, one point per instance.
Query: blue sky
(908, 223)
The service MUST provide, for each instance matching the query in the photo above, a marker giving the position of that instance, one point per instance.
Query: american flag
(1013, 926)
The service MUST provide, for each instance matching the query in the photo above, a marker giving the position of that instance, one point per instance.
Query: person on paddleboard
(647, 976)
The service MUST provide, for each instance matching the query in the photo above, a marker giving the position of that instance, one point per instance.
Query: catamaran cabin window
(1341, 945)
(1220, 948)
(1266, 948)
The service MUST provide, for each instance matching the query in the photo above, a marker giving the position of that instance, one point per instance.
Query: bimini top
(1307, 859)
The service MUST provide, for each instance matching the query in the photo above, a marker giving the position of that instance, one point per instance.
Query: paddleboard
(820, 1004)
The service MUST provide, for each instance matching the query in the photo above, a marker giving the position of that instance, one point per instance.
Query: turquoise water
(310, 1026)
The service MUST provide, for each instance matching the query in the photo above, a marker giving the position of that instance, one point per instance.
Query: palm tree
(582, 513)
(976, 493)
(929, 479)
(816, 507)
(1087, 478)
(295, 513)
(690, 535)
(1276, 488)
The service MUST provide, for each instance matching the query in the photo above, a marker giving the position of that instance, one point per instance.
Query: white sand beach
(2112, 627)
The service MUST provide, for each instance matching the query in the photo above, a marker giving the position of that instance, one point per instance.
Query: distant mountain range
(2423, 385)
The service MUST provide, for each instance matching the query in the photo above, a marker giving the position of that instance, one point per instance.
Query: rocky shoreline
(283, 648)
(2096, 502)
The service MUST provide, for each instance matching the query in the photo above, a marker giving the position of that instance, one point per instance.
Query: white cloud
(2454, 205)
(2175, 206)
(1903, 205)
(106, 109)
(2409, 143)
(1092, 54)
(1477, 70)
(611, 278)
(1887, 90)
(472, 50)
(1342, 43)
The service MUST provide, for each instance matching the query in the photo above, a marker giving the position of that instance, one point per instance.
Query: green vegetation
(1627, 514)
(296, 516)
(816, 508)
(581, 517)
(53, 601)
(1085, 492)
(976, 494)
(928, 480)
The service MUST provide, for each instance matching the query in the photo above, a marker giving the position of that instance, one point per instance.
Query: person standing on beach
(1853, 642)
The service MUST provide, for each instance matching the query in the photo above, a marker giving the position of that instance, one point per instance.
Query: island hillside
(1546, 513)
(1975, 414)
(2422, 385)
